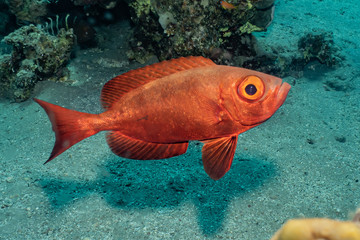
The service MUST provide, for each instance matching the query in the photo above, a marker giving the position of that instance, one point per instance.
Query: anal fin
(217, 155)
(127, 147)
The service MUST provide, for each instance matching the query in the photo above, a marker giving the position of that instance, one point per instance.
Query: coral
(316, 52)
(84, 31)
(28, 10)
(36, 56)
(181, 27)
(141, 8)
(318, 228)
(320, 47)
(249, 28)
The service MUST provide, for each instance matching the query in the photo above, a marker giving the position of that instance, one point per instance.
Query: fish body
(153, 112)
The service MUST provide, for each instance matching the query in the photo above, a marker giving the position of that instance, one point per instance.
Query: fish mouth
(282, 93)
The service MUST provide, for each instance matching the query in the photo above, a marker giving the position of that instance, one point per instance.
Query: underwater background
(301, 163)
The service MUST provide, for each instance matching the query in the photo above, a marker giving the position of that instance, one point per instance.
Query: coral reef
(181, 27)
(57, 14)
(42, 51)
(36, 55)
(219, 30)
(28, 10)
(222, 32)
(83, 30)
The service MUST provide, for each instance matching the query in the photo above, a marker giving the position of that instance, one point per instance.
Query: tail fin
(70, 126)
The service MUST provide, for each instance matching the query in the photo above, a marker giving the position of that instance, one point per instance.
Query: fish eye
(251, 88)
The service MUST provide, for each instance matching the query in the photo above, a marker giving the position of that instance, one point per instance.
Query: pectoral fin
(217, 155)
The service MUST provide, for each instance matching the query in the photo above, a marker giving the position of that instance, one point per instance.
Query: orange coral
(318, 228)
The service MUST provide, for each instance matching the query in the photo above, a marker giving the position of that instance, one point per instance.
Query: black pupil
(250, 89)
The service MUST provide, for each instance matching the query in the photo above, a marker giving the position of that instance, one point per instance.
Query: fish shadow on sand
(159, 184)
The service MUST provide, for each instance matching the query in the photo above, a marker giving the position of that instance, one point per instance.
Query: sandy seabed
(303, 162)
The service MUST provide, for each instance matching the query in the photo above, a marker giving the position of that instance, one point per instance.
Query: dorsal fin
(114, 89)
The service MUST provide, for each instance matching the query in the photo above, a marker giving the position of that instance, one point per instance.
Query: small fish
(227, 5)
(153, 112)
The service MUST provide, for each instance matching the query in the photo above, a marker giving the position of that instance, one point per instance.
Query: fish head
(255, 97)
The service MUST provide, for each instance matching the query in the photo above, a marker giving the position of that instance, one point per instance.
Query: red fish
(153, 112)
